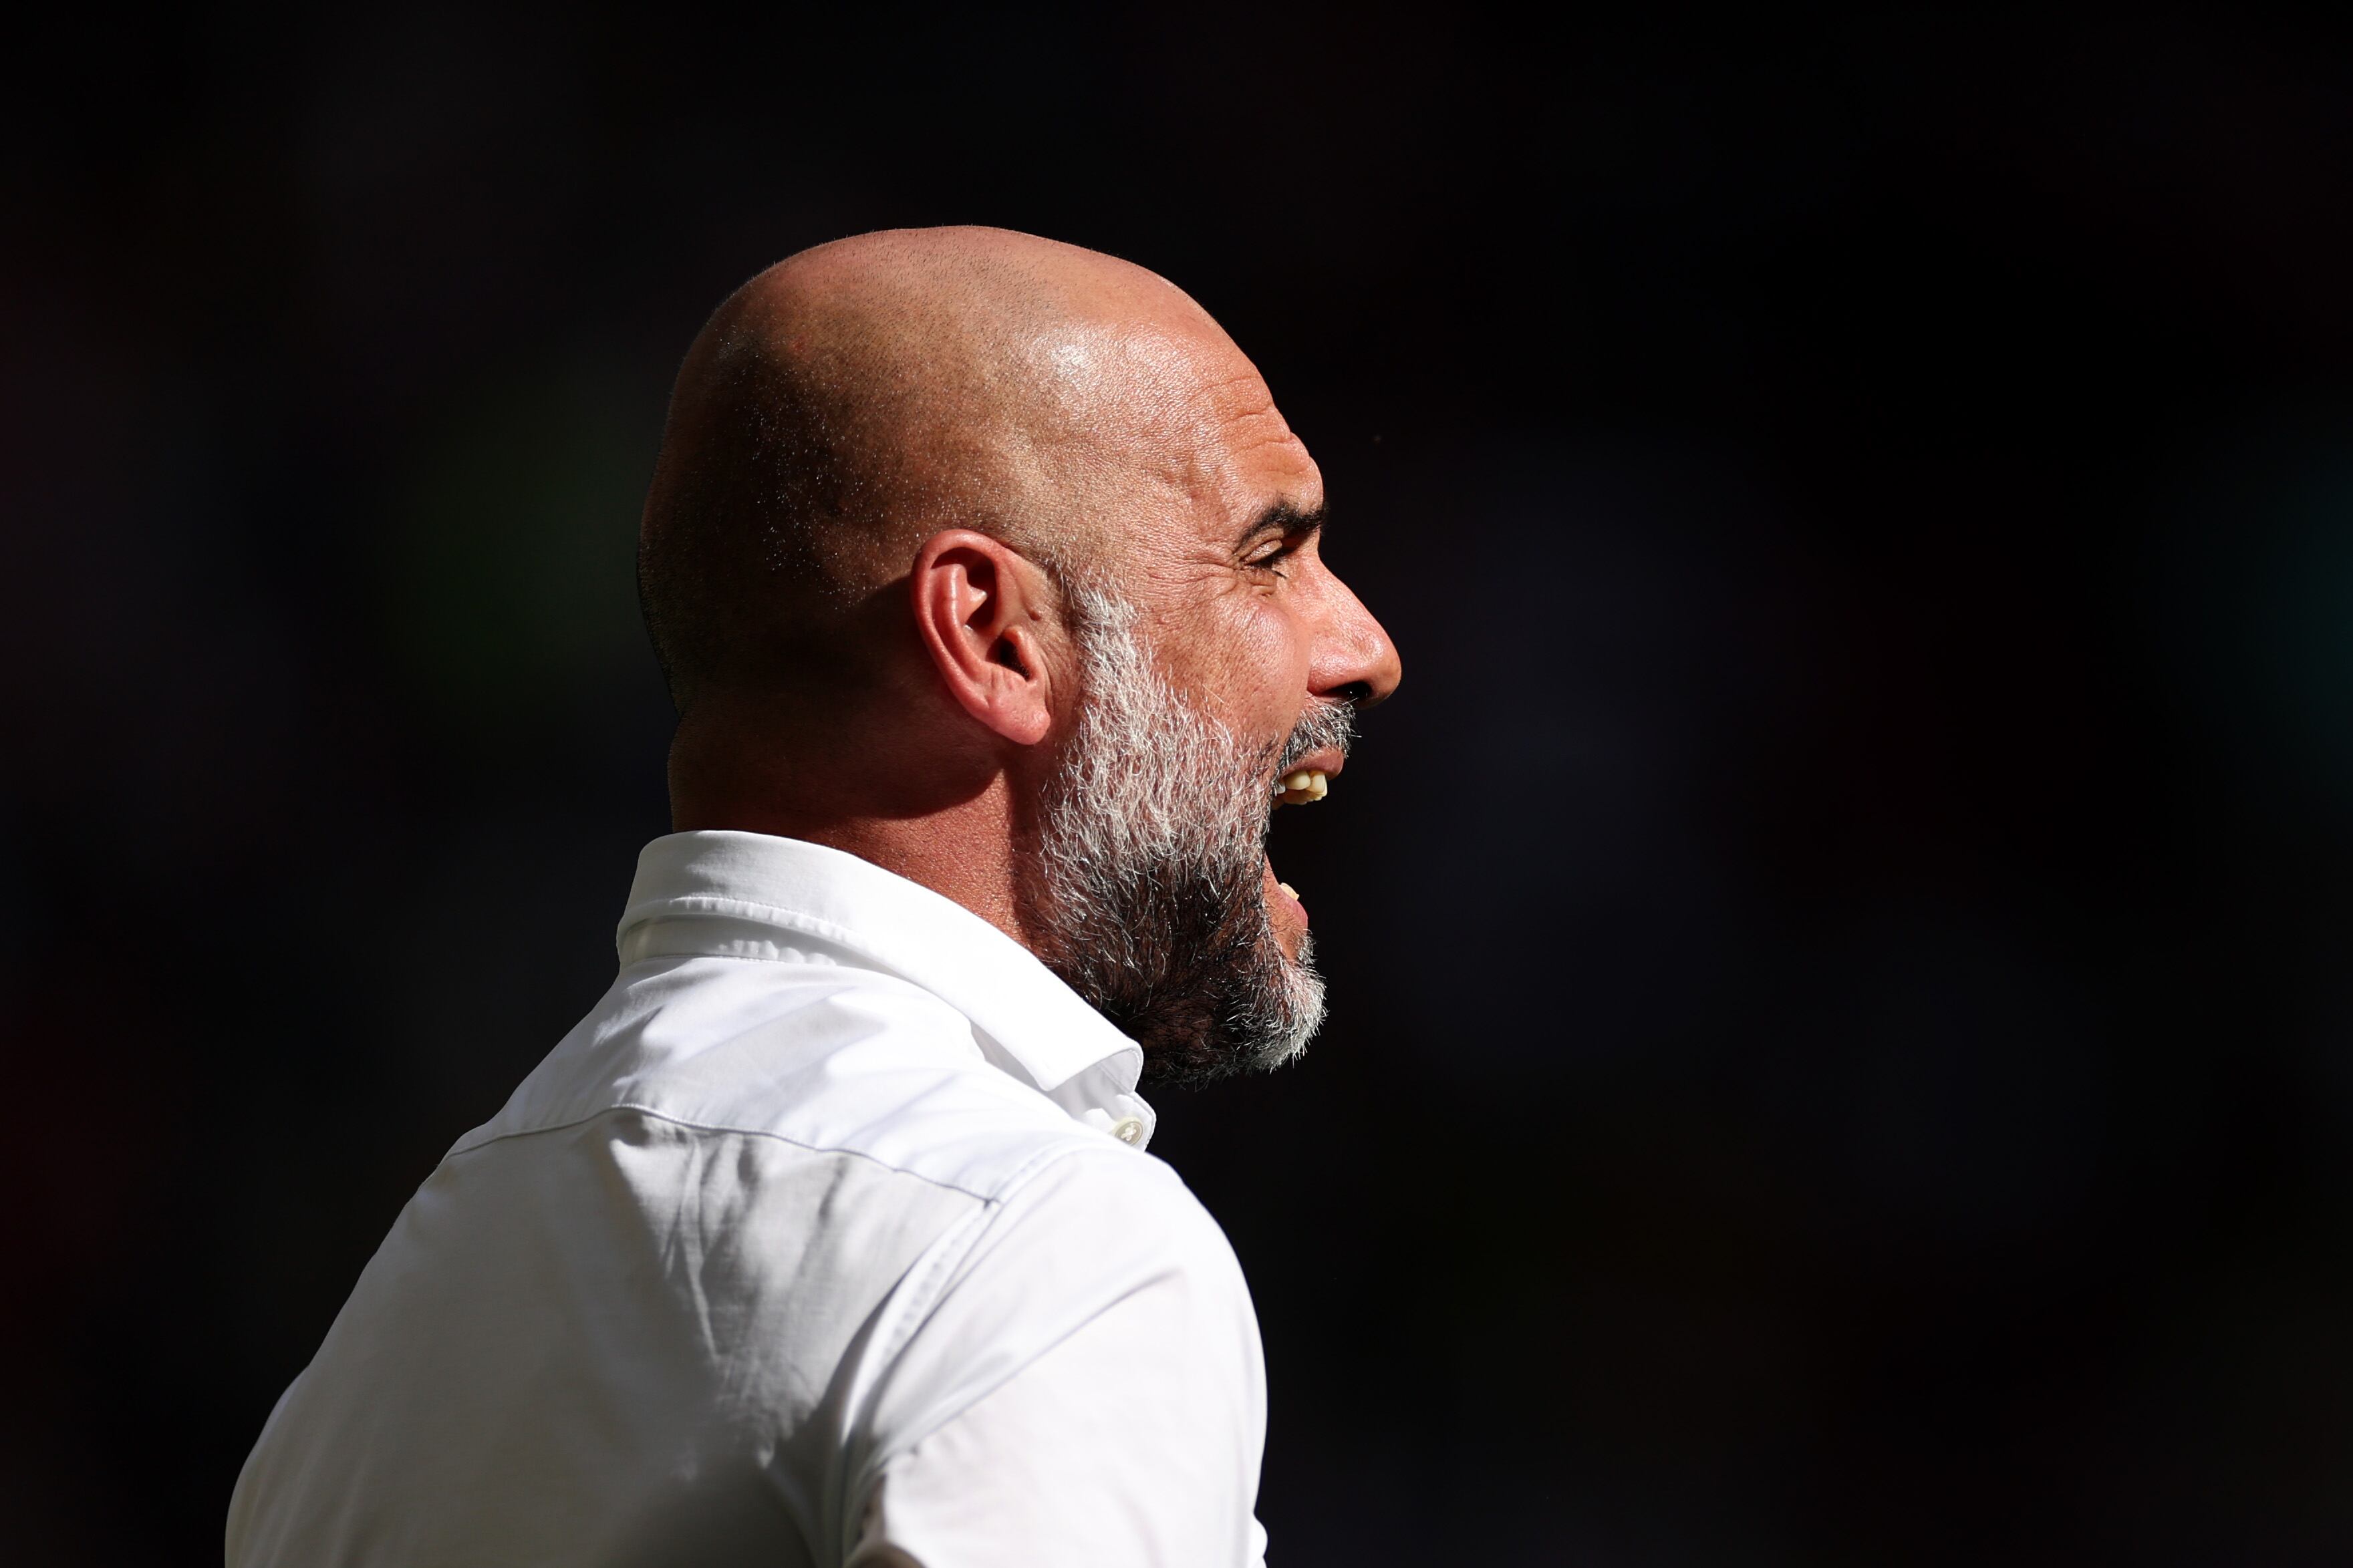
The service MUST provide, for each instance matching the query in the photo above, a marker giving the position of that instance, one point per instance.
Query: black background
(1840, 947)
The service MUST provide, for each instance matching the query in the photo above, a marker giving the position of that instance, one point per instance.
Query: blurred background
(1843, 949)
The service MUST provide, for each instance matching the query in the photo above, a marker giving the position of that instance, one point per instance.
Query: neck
(945, 822)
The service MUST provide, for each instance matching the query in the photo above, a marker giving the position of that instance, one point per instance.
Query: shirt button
(1128, 1130)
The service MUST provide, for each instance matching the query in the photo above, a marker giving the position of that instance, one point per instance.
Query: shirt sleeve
(1089, 1389)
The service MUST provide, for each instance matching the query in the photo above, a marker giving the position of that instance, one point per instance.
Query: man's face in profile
(1221, 663)
(1125, 646)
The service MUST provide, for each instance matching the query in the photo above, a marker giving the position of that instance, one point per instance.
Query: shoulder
(1105, 1249)
(1119, 1206)
(1085, 1230)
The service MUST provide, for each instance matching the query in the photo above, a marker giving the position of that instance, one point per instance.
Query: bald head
(860, 396)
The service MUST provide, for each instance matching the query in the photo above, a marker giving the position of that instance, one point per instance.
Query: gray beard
(1147, 883)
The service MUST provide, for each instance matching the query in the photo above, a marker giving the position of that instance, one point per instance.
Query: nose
(1355, 661)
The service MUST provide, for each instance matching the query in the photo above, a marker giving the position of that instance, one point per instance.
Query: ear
(979, 607)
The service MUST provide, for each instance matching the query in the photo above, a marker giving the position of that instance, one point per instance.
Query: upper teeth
(1306, 784)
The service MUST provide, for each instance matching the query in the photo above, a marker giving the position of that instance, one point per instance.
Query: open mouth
(1301, 785)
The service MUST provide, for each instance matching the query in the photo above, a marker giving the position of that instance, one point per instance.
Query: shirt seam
(748, 909)
(868, 967)
(1013, 1183)
(770, 914)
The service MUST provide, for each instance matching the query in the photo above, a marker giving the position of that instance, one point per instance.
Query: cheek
(1264, 674)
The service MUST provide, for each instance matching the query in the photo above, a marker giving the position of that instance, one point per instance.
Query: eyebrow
(1286, 517)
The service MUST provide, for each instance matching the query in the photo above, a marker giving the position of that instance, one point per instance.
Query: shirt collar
(1029, 1022)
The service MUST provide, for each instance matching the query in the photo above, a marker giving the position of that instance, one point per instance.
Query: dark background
(1842, 1048)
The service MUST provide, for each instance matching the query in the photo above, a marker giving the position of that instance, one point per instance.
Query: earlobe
(971, 594)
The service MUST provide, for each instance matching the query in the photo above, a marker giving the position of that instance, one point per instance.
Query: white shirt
(827, 1238)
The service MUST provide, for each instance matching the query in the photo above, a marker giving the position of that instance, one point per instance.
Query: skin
(1110, 403)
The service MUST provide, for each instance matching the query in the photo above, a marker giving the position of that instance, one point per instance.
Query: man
(984, 576)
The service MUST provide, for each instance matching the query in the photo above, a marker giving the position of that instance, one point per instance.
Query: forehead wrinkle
(1246, 421)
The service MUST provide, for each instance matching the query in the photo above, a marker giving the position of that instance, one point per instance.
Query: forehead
(1206, 430)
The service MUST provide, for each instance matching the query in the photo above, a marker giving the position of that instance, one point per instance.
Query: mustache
(1326, 726)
